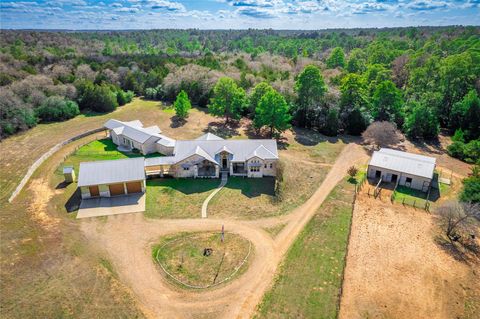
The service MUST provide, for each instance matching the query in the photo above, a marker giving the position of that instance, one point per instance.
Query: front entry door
(224, 163)
(394, 178)
(94, 191)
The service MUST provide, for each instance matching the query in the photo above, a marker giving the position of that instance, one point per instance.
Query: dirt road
(128, 240)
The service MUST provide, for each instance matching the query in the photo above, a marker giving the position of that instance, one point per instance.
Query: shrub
(456, 149)
(56, 108)
(352, 171)
(124, 97)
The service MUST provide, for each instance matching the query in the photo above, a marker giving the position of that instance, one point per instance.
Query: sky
(234, 14)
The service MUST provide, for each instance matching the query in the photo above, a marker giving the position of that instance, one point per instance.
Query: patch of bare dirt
(396, 270)
(41, 195)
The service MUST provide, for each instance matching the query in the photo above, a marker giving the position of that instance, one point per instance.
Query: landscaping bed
(202, 260)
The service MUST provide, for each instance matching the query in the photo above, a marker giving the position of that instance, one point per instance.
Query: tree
(272, 111)
(466, 115)
(421, 123)
(354, 104)
(336, 58)
(458, 219)
(352, 171)
(471, 186)
(56, 108)
(310, 88)
(356, 122)
(182, 105)
(381, 134)
(357, 61)
(257, 93)
(98, 98)
(228, 99)
(331, 123)
(387, 103)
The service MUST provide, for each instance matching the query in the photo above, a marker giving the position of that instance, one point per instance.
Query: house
(402, 168)
(133, 136)
(209, 155)
(112, 178)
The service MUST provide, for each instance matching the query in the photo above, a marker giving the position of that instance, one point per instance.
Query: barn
(402, 168)
(112, 178)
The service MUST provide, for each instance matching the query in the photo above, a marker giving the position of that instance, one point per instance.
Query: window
(265, 165)
(271, 165)
(186, 168)
(254, 169)
(408, 180)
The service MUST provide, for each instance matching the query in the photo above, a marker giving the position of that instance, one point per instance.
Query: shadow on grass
(177, 122)
(186, 186)
(62, 185)
(73, 203)
(308, 137)
(252, 187)
(222, 129)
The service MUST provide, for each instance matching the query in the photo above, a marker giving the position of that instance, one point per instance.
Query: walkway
(205, 203)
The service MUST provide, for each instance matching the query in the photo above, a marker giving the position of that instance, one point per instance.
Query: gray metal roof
(134, 130)
(110, 172)
(160, 160)
(67, 169)
(242, 150)
(209, 137)
(414, 164)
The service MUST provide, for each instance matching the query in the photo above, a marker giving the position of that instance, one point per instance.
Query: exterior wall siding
(165, 150)
(419, 183)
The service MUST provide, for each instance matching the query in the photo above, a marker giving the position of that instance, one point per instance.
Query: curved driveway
(128, 240)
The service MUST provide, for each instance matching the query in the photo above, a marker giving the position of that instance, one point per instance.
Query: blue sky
(234, 14)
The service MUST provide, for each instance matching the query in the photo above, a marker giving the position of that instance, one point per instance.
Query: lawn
(310, 277)
(410, 196)
(183, 257)
(177, 198)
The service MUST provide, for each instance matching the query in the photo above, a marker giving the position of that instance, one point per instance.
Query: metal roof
(134, 130)
(67, 169)
(209, 137)
(242, 150)
(160, 160)
(414, 164)
(110, 172)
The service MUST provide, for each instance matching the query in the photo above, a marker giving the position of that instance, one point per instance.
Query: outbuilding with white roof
(407, 169)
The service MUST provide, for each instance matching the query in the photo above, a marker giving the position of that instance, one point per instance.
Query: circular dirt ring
(202, 260)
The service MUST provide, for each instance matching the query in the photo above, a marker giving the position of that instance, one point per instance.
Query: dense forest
(335, 81)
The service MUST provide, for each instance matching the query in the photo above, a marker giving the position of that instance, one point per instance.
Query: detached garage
(112, 178)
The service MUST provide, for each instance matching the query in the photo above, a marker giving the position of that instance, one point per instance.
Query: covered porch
(206, 168)
(239, 169)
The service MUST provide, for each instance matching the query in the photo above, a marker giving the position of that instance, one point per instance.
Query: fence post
(414, 201)
(403, 201)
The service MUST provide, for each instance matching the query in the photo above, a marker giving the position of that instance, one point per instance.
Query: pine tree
(182, 105)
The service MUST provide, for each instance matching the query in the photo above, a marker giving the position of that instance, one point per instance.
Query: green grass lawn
(99, 150)
(309, 279)
(410, 196)
(177, 198)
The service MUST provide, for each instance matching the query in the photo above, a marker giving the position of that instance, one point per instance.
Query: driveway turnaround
(104, 206)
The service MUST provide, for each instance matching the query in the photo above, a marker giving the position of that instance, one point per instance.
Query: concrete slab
(105, 206)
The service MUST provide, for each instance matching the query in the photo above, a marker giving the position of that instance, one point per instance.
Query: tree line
(335, 81)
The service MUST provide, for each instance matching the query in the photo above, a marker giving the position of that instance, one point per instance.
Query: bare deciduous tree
(459, 220)
(382, 134)
(352, 171)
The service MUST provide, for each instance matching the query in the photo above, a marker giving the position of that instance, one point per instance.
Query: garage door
(94, 191)
(134, 187)
(116, 189)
